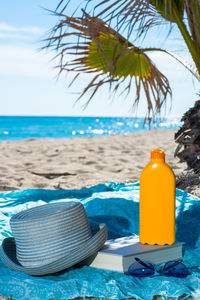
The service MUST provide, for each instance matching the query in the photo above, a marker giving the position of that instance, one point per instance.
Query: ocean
(24, 127)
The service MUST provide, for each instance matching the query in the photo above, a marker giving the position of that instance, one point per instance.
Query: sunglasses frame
(159, 271)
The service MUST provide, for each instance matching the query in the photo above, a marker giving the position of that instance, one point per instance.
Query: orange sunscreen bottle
(157, 202)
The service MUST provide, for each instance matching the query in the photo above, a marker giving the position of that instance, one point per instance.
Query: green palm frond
(112, 58)
(142, 15)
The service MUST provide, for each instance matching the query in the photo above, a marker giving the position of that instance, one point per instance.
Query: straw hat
(51, 238)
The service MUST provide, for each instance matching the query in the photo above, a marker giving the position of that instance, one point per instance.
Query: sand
(81, 162)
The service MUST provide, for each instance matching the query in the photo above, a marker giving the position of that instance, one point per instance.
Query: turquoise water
(19, 128)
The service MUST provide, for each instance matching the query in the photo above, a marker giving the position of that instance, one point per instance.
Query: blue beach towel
(117, 205)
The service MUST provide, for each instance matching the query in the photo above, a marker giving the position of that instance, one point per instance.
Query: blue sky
(28, 81)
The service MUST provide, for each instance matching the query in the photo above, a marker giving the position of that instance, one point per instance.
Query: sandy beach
(81, 162)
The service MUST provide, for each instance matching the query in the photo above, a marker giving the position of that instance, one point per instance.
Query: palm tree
(99, 49)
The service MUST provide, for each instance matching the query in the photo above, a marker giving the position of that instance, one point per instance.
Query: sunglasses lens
(139, 270)
(175, 270)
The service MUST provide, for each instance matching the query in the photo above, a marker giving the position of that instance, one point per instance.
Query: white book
(119, 254)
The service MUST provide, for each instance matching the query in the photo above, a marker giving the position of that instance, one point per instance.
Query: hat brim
(96, 242)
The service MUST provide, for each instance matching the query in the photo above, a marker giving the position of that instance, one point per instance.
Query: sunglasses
(143, 268)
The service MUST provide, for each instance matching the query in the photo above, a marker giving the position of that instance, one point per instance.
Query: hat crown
(45, 233)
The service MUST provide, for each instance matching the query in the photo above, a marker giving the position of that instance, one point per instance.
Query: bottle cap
(157, 153)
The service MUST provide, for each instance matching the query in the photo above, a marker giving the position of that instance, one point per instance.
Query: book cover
(119, 254)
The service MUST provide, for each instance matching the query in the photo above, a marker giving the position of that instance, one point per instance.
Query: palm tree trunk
(188, 139)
